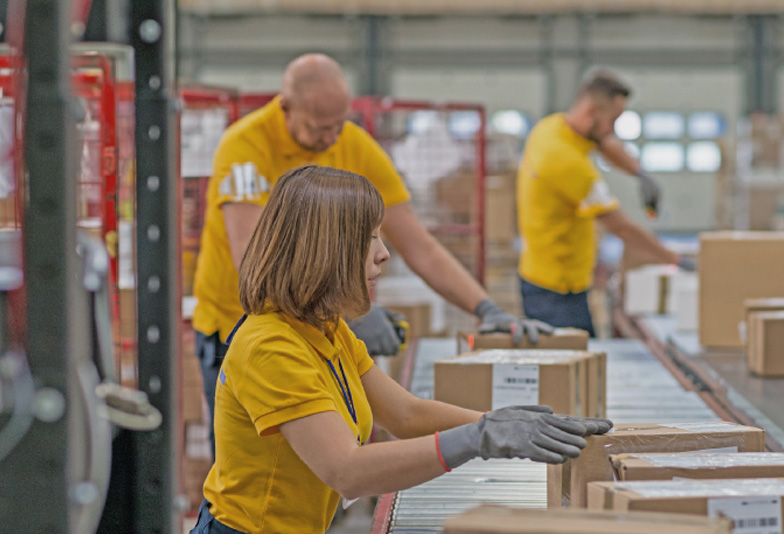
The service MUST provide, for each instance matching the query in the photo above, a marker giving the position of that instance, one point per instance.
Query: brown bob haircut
(307, 255)
(604, 84)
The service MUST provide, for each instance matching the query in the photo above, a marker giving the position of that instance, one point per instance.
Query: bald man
(308, 124)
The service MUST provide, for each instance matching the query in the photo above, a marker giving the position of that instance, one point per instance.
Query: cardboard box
(500, 208)
(417, 316)
(702, 465)
(561, 339)
(567, 483)
(647, 289)
(757, 305)
(489, 519)
(765, 350)
(734, 267)
(752, 500)
(492, 379)
(685, 296)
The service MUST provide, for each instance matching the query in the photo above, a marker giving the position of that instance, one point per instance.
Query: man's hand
(494, 319)
(377, 329)
(650, 192)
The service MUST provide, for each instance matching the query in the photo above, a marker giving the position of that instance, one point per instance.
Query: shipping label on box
(702, 465)
(754, 505)
(492, 519)
(567, 483)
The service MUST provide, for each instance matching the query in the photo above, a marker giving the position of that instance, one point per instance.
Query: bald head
(316, 100)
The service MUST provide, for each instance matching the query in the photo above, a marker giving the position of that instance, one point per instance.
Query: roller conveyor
(639, 389)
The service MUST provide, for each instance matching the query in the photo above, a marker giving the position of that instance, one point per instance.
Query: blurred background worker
(559, 194)
(308, 123)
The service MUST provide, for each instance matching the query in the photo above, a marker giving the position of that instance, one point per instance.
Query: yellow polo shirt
(559, 193)
(276, 371)
(253, 153)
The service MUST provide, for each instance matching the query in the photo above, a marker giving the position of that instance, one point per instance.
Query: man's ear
(285, 105)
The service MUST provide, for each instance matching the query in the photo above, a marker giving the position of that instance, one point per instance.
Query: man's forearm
(639, 238)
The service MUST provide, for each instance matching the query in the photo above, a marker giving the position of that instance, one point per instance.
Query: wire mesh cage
(252, 101)
(439, 150)
(206, 113)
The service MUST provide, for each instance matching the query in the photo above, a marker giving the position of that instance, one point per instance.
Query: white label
(717, 426)
(515, 385)
(752, 515)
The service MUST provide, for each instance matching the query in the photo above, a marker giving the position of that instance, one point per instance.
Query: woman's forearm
(429, 416)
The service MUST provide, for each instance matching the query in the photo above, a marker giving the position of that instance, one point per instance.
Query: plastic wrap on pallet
(704, 488)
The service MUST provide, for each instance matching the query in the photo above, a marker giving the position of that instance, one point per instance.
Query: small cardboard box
(734, 267)
(765, 349)
(492, 379)
(752, 500)
(757, 305)
(489, 519)
(647, 289)
(567, 483)
(500, 208)
(560, 339)
(699, 465)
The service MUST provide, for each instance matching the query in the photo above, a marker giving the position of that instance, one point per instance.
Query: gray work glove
(494, 319)
(687, 264)
(377, 329)
(520, 432)
(650, 192)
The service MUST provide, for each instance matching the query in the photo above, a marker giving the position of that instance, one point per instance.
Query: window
(706, 125)
(420, 121)
(510, 122)
(703, 156)
(628, 126)
(663, 125)
(464, 124)
(662, 157)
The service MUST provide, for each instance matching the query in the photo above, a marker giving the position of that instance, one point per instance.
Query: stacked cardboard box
(560, 339)
(500, 208)
(734, 267)
(567, 483)
(765, 353)
(700, 465)
(649, 289)
(748, 502)
(488, 519)
(571, 382)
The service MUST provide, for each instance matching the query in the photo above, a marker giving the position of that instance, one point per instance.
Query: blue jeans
(210, 350)
(558, 309)
(207, 524)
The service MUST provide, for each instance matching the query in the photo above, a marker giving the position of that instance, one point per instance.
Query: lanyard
(345, 391)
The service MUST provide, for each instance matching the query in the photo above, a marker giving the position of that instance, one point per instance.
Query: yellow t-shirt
(253, 153)
(559, 193)
(276, 371)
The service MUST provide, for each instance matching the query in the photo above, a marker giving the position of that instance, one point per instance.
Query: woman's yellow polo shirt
(276, 371)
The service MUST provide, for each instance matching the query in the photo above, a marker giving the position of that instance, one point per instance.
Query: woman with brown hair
(297, 394)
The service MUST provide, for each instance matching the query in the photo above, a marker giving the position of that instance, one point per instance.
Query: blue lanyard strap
(349, 400)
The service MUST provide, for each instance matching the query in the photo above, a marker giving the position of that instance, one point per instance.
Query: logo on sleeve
(244, 183)
(222, 377)
(599, 195)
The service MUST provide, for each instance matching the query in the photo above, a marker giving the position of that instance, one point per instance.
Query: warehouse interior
(111, 116)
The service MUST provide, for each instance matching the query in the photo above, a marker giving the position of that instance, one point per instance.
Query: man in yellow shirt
(560, 193)
(307, 124)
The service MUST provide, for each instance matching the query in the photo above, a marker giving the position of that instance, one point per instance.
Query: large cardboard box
(567, 483)
(748, 502)
(489, 519)
(492, 379)
(700, 465)
(765, 349)
(733, 267)
(560, 339)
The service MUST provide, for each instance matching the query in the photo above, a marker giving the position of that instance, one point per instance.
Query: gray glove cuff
(460, 444)
(485, 307)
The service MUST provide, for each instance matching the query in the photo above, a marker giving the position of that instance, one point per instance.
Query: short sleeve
(282, 384)
(377, 166)
(582, 185)
(237, 170)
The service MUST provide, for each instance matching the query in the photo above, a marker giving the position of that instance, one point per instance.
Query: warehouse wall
(531, 64)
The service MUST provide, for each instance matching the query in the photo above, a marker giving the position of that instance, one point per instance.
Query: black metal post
(34, 478)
